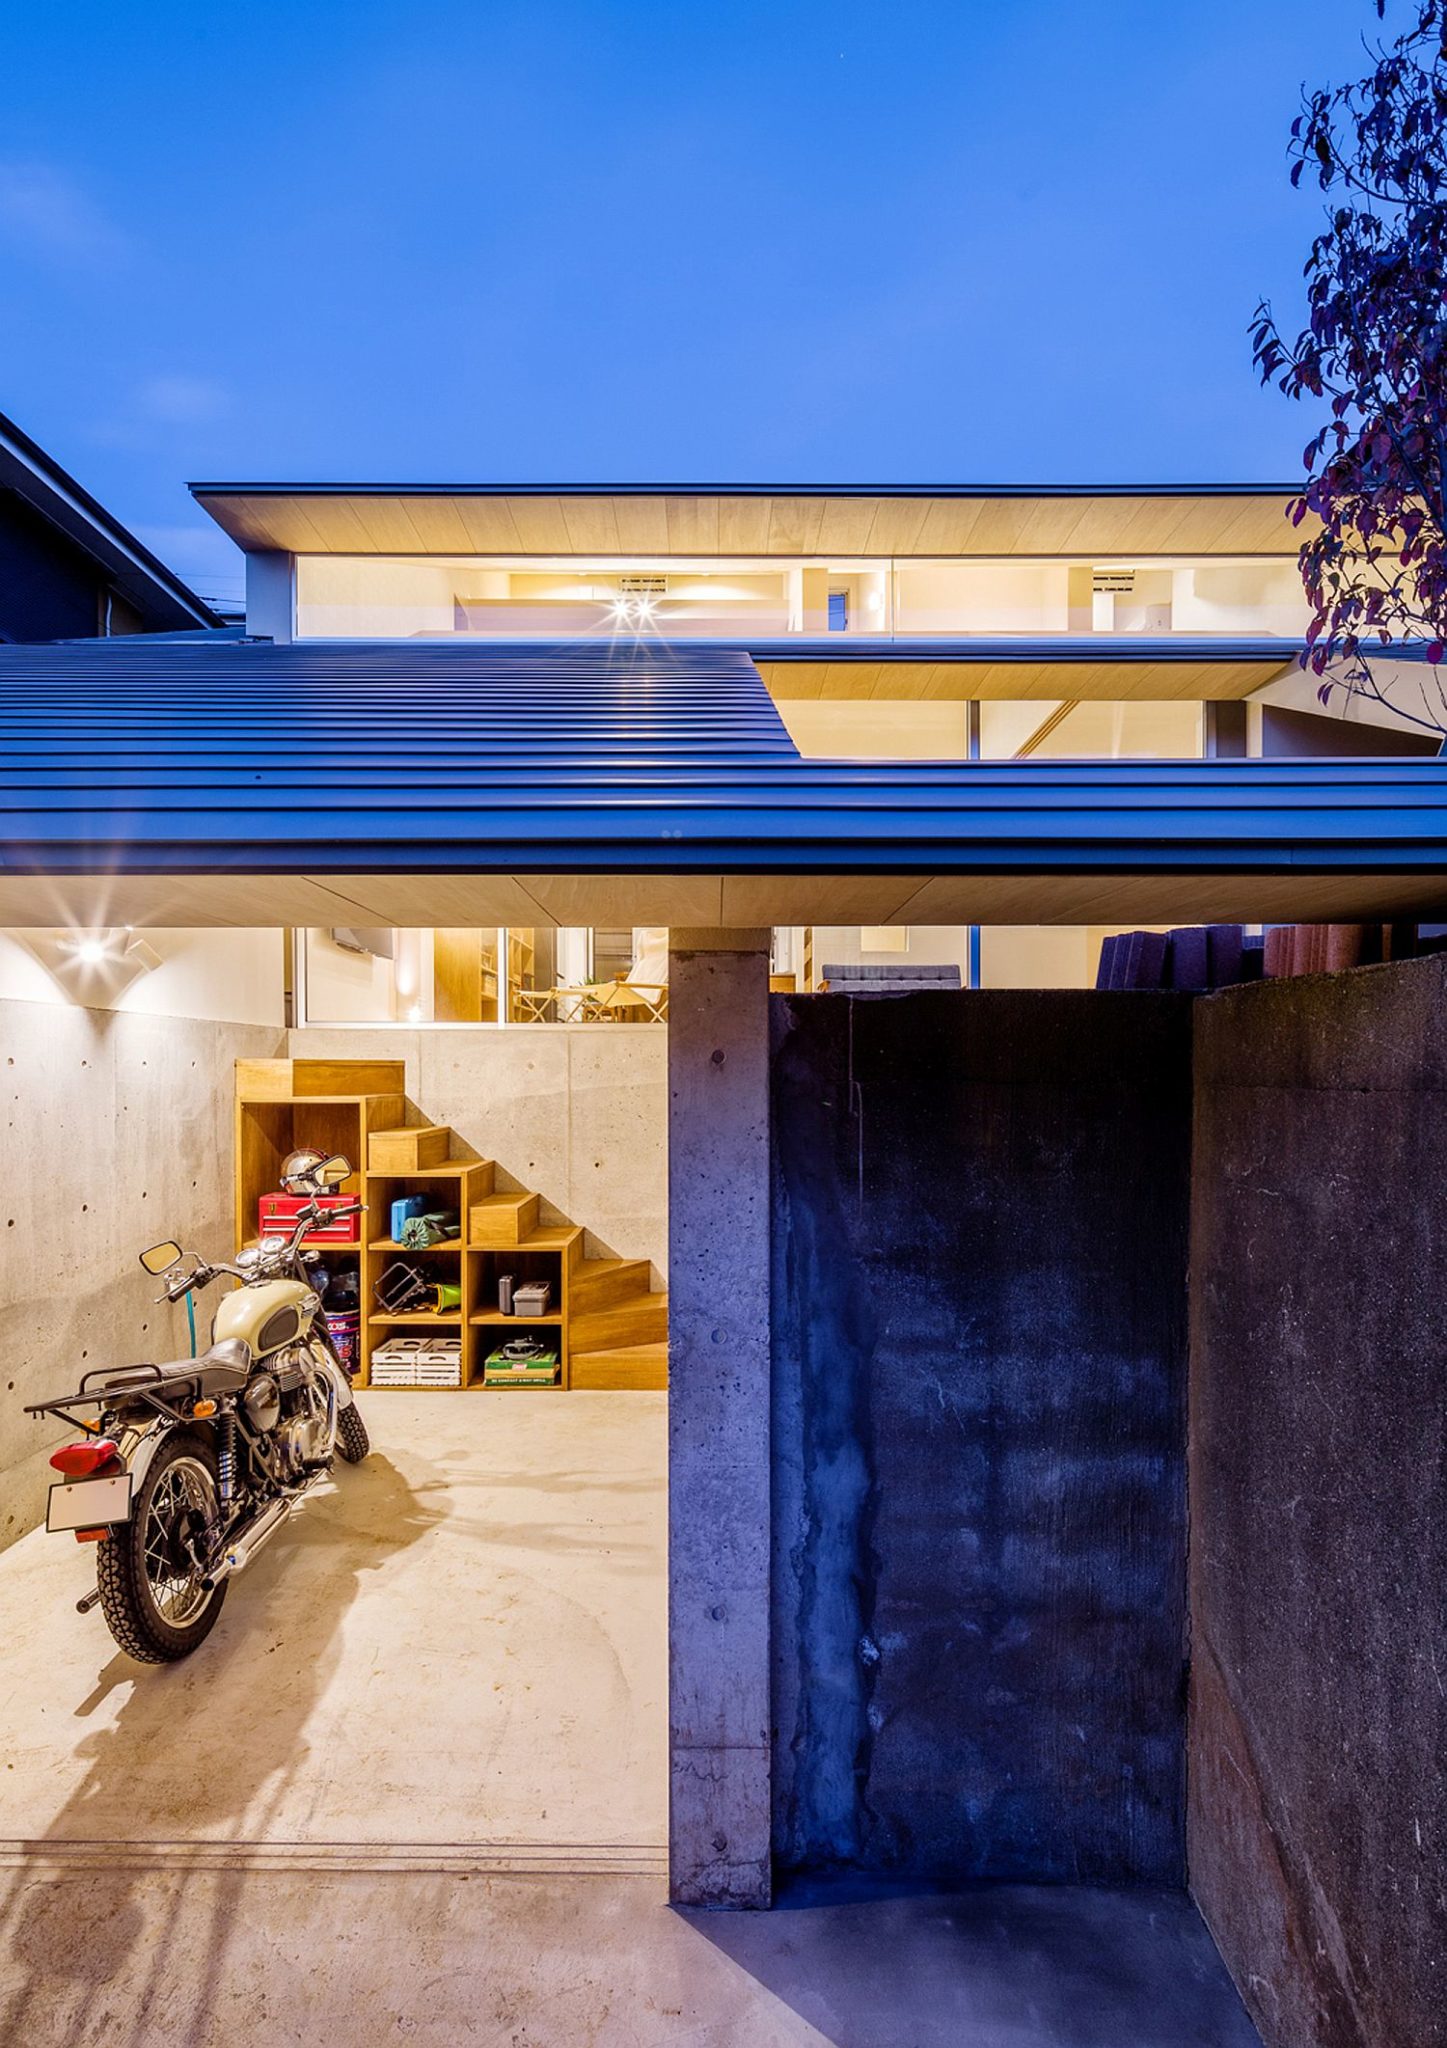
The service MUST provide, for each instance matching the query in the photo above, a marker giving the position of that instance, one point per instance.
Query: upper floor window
(756, 600)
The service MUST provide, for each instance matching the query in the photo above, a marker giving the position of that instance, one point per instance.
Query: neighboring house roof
(922, 520)
(449, 783)
(159, 597)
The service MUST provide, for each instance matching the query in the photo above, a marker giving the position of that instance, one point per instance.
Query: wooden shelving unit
(609, 1330)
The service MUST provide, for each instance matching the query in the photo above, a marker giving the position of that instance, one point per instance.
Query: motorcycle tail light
(92, 1535)
(78, 1461)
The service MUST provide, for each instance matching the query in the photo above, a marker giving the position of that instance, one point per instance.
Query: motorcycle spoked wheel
(150, 1587)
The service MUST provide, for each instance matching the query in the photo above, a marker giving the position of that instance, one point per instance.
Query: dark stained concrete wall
(1318, 1726)
(979, 1247)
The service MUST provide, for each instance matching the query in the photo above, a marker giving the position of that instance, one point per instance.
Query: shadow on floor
(203, 1749)
(1001, 1966)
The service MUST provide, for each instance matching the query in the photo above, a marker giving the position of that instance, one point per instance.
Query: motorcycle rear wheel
(352, 1439)
(150, 1588)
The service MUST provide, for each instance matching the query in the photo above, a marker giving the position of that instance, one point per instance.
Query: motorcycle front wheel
(352, 1439)
(150, 1585)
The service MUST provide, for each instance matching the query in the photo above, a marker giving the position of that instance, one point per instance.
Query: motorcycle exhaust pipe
(253, 1538)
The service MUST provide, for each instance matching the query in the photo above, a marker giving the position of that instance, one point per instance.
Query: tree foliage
(1375, 351)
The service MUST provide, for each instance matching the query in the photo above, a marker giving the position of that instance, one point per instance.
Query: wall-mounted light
(92, 967)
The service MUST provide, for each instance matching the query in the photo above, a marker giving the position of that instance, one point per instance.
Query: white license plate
(90, 1503)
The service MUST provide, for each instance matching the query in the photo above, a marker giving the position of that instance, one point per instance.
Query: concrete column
(718, 1422)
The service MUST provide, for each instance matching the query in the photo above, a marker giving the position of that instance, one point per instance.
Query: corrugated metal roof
(196, 758)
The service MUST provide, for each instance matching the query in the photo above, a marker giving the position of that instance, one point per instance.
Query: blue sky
(920, 242)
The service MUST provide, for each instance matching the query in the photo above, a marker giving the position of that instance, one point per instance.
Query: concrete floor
(116, 1958)
(413, 1790)
(461, 1640)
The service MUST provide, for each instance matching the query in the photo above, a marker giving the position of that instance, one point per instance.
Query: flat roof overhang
(983, 521)
(445, 783)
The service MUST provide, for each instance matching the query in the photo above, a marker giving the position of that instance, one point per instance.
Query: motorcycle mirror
(332, 1172)
(160, 1258)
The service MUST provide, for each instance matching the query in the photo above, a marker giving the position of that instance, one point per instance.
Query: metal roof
(157, 593)
(210, 760)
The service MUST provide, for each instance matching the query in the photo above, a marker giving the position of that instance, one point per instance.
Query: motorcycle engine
(301, 1436)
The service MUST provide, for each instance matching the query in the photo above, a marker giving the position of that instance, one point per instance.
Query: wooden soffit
(384, 520)
(962, 681)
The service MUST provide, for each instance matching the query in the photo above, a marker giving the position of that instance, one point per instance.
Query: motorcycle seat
(221, 1369)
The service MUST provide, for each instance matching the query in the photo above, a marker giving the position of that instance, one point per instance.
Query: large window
(489, 975)
(766, 598)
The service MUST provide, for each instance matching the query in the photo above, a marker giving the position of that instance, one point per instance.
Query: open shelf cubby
(360, 1108)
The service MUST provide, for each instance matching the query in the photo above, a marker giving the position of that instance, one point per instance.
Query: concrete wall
(979, 1245)
(578, 1112)
(117, 1132)
(1318, 1728)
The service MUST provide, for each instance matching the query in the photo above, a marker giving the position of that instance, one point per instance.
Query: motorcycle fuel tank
(266, 1316)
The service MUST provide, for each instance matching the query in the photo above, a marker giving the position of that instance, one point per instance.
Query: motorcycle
(191, 1467)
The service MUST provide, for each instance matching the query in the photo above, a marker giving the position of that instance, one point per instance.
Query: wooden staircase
(607, 1325)
(613, 1326)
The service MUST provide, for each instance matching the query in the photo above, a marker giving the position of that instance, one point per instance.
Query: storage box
(502, 1371)
(418, 1362)
(402, 1208)
(531, 1298)
(394, 1364)
(277, 1215)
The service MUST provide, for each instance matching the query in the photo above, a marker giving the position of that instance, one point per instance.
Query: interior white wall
(985, 597)
(354, 597)
(226, 974)
(1239, 597)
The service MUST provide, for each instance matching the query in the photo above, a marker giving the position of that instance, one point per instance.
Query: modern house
(1128, 624)
(68, 569)
(970, 1294)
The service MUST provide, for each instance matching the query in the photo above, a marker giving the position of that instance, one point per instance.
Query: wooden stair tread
(597, 1282)
(640, 1318)
(628, 1366)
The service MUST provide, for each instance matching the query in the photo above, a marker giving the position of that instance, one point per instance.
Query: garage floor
(460, 1641)
(413, 1790)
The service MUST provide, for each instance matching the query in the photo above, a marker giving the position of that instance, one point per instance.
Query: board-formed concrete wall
(1318, 1726)
(117, 1132)
(578, 1112)
(979, 1253)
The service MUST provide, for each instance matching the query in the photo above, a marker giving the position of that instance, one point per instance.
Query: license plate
(90, 1503)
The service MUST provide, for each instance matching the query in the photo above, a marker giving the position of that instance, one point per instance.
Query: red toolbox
(278, 1214)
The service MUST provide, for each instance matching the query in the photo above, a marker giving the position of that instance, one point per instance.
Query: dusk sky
(926, 242)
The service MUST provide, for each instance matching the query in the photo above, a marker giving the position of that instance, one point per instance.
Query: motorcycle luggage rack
(138, 1382)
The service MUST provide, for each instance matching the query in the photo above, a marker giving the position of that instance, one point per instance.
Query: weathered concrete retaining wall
(117, 1132)
(1318, 1725)
(578, 1112)
(979, 1247)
